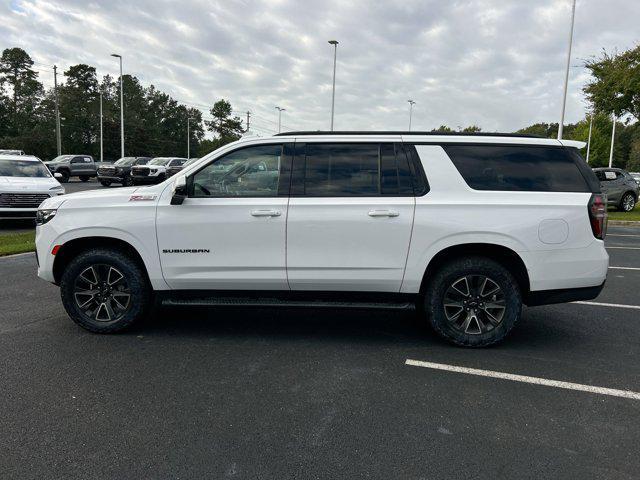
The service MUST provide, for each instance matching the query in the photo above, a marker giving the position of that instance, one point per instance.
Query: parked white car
(25, 182)
(466, 227)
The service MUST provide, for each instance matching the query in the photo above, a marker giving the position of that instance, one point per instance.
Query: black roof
(392, 132)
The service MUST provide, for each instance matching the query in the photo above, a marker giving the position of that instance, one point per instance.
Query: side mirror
(57, 175)
(179, 191)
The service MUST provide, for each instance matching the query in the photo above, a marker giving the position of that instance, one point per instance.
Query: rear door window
(351, 170)
(518, 168)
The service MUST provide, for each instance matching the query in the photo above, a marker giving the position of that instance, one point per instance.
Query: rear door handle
(265, 213)
(383, 213)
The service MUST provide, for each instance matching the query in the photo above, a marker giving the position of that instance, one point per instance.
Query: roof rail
(392, 132)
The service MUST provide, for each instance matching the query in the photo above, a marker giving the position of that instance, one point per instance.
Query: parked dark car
(67, 166)
(176, 168)
(620, 187)
(120, 171)
(155, 171)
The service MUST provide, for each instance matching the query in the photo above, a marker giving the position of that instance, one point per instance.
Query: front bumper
(17, 213)
(147, 180)
(112, 178)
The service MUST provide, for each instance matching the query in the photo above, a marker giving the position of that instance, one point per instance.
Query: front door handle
(265, 213)
(383, 213)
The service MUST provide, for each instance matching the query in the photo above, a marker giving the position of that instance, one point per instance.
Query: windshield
(159, 161)
(23, 168)
(61, 158)
(125, 161)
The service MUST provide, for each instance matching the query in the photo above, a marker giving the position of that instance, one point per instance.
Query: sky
(498, 64)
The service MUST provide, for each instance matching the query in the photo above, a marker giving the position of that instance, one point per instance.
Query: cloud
(496, 64)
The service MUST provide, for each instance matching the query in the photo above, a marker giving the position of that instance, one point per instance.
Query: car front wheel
(105, 291)
(473, 302)
(628, 202)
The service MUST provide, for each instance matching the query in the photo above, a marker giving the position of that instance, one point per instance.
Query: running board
(384, 302)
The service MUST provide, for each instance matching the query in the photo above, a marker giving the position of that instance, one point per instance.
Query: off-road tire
(475, 266)
(141, 295)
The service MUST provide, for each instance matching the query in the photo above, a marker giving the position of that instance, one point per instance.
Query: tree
(224, 126)
(20, 89)
(616, 85)
(79, 107)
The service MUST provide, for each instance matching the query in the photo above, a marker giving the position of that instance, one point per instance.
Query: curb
(629, 223)
(13, 255)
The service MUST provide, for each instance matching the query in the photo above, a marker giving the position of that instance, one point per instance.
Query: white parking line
(622, 235)
(616, 305)
(624, 268)
(623, 248)
(526, 379)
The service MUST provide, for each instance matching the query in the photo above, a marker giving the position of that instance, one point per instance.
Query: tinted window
(517, 168)
(248, 172)
(342, 170)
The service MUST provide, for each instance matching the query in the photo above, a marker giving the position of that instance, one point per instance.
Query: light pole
(55, 89)
(566, 74)
(411, 104)
(101, 155)
(589, 139)
(333, 91)
(280, 110)
(121, 107)
(188, 139)
(613, 134)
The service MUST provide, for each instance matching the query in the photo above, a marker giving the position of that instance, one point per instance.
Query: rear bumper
(563, 295)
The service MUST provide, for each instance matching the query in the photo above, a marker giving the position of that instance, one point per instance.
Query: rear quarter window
(518, 168)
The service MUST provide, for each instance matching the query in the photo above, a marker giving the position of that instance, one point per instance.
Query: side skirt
(306, 299)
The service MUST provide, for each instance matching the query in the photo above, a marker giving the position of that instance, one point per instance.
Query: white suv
(465, 227)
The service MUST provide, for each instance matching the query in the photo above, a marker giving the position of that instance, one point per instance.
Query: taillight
(598, 215)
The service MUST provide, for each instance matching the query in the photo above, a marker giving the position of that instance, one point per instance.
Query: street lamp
(589, 139)
(188, 139)
(613, 137)
(280, 110)
(121, 107)
(411, 104)
(333, 92)
(566, 74)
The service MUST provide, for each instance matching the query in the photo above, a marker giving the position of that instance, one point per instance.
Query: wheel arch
(505, 256)
(70, 249)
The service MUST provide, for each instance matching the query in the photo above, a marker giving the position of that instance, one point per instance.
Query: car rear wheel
(105, 291)
(628, 202)
(105, 183)
(473, 302)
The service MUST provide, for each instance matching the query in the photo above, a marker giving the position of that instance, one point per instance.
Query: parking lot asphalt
(292, 393)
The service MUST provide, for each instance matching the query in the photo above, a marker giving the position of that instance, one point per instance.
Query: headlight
(153, 170)
(43, 216)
